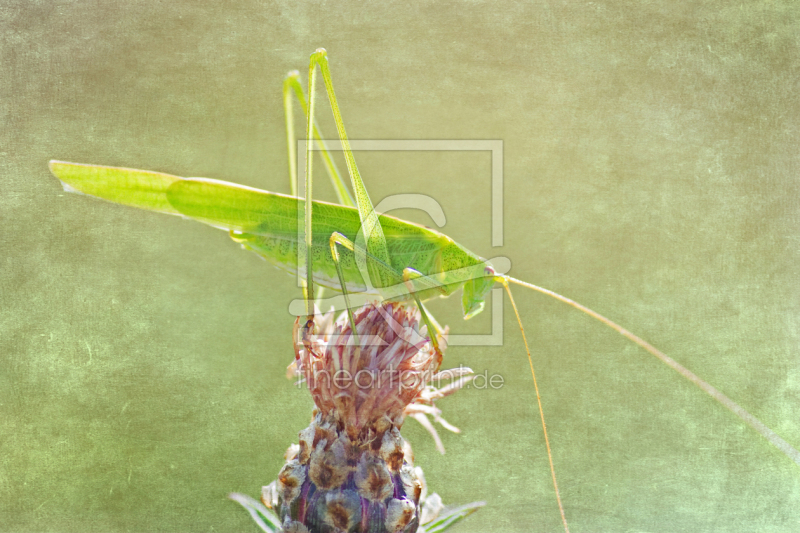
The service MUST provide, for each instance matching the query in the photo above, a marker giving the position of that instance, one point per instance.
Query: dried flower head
(352, 470)
(373, 381)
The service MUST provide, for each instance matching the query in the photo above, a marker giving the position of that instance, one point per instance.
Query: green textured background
(651, 167)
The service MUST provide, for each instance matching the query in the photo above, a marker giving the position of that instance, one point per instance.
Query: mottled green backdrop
(651, 172)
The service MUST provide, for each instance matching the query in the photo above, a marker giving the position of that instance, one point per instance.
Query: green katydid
(347, 246)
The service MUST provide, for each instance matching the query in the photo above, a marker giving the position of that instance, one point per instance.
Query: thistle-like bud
(352, 471)
(365, 382)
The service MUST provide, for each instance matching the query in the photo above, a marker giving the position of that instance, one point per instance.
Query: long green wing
(127, 186)
(235, 207)
(218, 203)
(225, 205)
(266, 222)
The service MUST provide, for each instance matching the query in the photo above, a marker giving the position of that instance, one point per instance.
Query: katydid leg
(291, 85)
(288, 115)
(370, 225)
(334, 242)
(420, 280)
(306, 251)
(409, 277)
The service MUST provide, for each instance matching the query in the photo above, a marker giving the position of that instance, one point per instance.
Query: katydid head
(475, 291)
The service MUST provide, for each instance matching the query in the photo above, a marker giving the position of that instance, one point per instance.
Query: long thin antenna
(505, 281)
(735, 408)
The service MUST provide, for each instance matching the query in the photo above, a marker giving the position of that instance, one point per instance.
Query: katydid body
(267, 224)
(349, 247)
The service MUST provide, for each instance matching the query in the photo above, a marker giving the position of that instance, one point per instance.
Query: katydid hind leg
(373, 257)
(371, 230)
(292, 86)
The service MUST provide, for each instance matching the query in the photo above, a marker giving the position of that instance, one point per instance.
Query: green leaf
(449, 517)
(266, 519)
